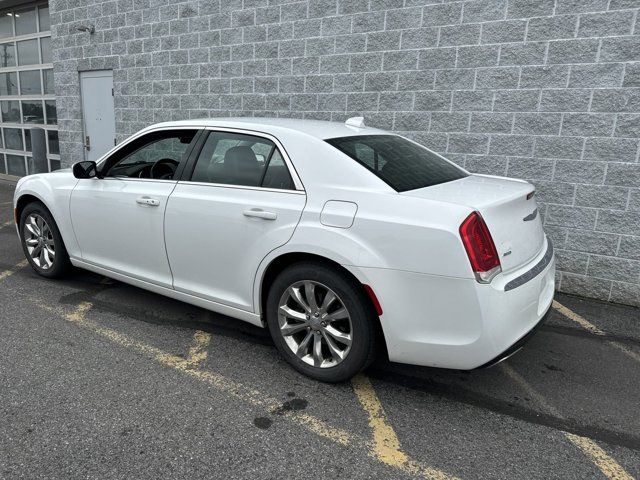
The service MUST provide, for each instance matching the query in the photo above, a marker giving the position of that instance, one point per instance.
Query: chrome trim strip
(242, 187)
(534, 272)
(136, 179)
(292, 169)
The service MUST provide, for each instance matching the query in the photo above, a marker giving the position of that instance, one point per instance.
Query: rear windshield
(402, 164)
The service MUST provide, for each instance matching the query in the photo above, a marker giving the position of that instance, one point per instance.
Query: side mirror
(87, 169)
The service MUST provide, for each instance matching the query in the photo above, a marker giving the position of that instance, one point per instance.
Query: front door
(96, 88)
(118, 220)
(239, 204)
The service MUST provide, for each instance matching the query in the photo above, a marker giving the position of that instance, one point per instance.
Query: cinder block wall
(538, 89)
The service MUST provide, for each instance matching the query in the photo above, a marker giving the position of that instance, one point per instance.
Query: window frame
(195, 153)
(104, 161)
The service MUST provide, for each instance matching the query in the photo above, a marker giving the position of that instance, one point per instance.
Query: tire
(346, 359)
(45, 264)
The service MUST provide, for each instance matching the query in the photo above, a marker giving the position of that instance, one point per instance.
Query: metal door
(98, 112)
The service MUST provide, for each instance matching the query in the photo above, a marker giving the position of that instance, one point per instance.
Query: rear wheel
(321, 322)
(42, 243)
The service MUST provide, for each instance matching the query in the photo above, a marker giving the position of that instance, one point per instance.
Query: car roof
(316, 128)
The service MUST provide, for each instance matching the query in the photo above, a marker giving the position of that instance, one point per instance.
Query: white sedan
(341, 239)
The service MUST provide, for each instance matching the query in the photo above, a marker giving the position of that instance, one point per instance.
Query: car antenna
(357, 122)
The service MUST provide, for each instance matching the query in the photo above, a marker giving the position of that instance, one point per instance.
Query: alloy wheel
(315, 324)
(38, 239)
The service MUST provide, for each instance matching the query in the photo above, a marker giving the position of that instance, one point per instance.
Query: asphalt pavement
(102, 380)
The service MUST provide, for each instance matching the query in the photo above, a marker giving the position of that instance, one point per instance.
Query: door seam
(164, 234)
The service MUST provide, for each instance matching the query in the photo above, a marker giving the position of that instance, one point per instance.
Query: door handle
(152, 202)
(259, 213)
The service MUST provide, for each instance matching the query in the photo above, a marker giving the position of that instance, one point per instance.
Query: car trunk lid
(507, 207)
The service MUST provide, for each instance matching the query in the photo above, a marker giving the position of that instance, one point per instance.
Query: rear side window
(238, 159)
(400, 163)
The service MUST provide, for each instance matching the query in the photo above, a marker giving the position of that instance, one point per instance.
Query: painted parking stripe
(386, 445)
(607, 465)
(385, 441)
(7, 273)
(587, 325)
(198, 350)
(583, 322)
(248, 395)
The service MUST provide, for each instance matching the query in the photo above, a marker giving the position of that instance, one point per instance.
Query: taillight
(480, 248)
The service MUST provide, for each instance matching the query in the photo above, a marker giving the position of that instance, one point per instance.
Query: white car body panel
(214, 249)
(54, 190)
(114, 231)
(502, 202)
(406, 246)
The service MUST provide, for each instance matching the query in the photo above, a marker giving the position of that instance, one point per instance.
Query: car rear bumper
(515, 348)
(457, 322)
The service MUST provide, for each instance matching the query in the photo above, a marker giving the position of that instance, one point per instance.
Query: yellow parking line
(607, 465)
(198, 350)
(385, 440)
(625, 350)
(248, 395)
(571, 315)
(587, 325)
(386, 445)
(12, 270)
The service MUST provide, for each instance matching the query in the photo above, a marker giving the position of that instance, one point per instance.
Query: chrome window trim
(242, 187)
(285, 155)
(135, 179)
(534, 272)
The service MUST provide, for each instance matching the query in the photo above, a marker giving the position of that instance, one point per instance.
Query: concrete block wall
(546, 90)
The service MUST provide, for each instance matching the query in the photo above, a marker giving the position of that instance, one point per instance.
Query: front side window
(400, 163)
(155, 155)
(238, 159)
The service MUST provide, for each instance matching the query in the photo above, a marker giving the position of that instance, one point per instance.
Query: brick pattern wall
(543, 90)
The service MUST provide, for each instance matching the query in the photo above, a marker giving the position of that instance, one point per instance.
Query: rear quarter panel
(391, 231)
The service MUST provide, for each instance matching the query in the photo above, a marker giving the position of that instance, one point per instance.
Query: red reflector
(374, 299)
(478, 243)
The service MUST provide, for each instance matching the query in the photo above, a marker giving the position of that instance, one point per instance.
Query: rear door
(238, 201)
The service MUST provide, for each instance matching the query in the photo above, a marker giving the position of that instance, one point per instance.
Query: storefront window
(27, 96)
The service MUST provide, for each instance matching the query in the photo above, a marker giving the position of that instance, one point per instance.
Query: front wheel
(321, 321)
(42, 243)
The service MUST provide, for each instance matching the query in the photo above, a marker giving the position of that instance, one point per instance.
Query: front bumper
(457, 322)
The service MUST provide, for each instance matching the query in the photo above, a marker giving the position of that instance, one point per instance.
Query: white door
(118, 220)
(98, 113)
(239, 204)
